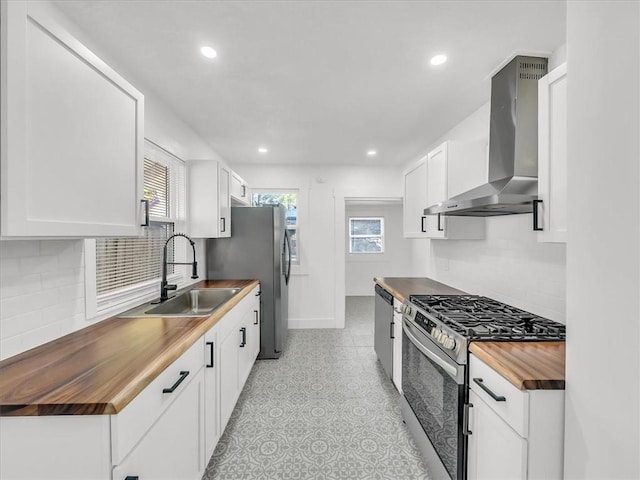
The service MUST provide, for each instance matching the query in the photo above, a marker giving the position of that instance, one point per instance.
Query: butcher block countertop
(527, 365)
(402, 287)
(100, 369)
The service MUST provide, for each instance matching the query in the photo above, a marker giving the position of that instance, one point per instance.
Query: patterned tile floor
(323, 411)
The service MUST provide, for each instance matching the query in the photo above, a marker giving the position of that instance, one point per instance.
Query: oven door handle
(450, 369)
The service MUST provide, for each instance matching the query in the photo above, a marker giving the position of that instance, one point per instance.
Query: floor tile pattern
(323, 411)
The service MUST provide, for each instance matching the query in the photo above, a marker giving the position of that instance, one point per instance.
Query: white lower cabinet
(174, 447)
(239, 347)
(515, 434)
(211, 391)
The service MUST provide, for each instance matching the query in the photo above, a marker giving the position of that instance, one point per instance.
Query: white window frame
(299, 267)
(352, 236)
(98, 307)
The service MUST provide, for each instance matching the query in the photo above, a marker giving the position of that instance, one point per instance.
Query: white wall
(42, 281)
(396, 260)
(313, 301)
(603, 258)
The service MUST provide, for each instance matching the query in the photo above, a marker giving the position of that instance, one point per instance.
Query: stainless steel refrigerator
(259, 247)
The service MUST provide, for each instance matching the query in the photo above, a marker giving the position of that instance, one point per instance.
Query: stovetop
(481, 318)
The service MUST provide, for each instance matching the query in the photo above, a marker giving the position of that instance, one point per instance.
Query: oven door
(434, 389)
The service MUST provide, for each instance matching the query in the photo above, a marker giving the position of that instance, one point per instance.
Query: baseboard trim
(301, 323)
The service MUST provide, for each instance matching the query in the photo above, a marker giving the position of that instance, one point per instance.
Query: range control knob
(449, 343)
(406, 309)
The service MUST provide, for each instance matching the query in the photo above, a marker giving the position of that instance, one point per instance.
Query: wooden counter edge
(508, 372)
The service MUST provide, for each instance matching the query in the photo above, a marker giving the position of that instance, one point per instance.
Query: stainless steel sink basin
(198, 302)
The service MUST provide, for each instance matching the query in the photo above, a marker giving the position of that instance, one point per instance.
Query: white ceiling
(319, 82)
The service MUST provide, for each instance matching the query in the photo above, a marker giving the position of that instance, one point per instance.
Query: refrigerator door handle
(288, 249)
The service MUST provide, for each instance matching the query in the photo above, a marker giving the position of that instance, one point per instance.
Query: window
(366, 235)
(125, 270)
(290, 201)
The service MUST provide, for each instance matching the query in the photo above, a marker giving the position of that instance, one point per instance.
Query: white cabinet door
(496, 451)
(225, 202)
(229, 357)
(72, 134)
(248, 343)
(415, 200)
(239, 190)
(436, 189)
(552, 156)
(255, 324)
(211, 392)
(174, 447)
(209, 201)
(438, 180)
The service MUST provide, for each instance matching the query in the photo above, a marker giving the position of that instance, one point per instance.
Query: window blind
(122, 262)
(156, 188)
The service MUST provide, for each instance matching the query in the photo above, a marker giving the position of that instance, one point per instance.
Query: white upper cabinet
(415, 200)
(209, 199)
(71, 134)
(439, 178)
(240, 194)
(551, 207)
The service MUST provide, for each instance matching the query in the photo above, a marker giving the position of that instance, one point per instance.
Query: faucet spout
(165, 286)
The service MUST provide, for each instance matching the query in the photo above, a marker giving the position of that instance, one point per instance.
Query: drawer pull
(211, 355)
(131, 477)
(497, 398)
(183, 374)
(243, 331)
(255, 319)
(465, 420)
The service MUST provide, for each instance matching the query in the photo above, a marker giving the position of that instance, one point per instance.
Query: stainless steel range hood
(513, 146)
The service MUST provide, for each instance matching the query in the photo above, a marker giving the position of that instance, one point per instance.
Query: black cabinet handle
(146, 213)
(243, 330)
(131, 477)
(244, 190)
(183, 374)
(536, 227)
(465, 420)
(391, 325)
(440, 229)
(423, 229)
(497, 398)
(224, 224)
(211, 355)
(255, 320)
(258, 293)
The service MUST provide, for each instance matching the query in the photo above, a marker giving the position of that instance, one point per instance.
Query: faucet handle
(170, 286)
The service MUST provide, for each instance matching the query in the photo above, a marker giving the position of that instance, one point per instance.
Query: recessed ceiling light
(208, 52)
(262, 150)
(438, 59)
(371, 153)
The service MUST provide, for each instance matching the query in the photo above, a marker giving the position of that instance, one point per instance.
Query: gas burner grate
(482, 318)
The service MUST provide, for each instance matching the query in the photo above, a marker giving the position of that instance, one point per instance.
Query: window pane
(366, 226)
(293, 240)
(366, 245)
(156, 188)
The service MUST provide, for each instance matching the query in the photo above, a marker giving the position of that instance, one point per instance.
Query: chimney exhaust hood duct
(513, 146)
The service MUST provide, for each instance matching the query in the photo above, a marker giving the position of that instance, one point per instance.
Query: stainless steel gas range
(437, 330)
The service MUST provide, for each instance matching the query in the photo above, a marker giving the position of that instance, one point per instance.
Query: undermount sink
(198, 302)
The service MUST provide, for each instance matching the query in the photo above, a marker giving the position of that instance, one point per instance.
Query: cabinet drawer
(514, 409)
(129, 426)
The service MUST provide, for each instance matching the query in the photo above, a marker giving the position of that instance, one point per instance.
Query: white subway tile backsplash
(41, 264)
(41, 292)
(19, 248)
(508, 265)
